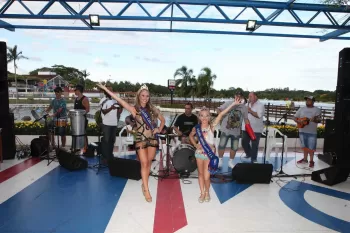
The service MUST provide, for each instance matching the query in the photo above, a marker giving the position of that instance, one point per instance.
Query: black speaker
(342, 108)
(331, 175)
(126, 168)
(344, 68)
(39, 147)
(250, 173)
(7, 125)
(70, 161)
(330, 140)
(4, 91)
(3, 61)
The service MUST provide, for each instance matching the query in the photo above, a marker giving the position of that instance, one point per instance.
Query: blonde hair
(149, 106)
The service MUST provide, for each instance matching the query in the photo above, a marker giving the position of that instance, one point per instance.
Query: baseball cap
(58, 89)
(309, 97)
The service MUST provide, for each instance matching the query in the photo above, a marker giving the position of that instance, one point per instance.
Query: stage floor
(38, 198)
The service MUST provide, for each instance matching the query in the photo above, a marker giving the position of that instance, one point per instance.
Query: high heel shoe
(207, 197)
(143, 189)
(149, 199)
(201, 198)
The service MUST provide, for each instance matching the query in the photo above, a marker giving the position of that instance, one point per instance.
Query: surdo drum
(77, 120)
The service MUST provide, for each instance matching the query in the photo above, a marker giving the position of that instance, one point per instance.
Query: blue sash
(147, 119)
(214, 160)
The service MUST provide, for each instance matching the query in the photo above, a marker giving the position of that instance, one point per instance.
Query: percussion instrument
(250, 132)
(78, 120)
(184, 160)
(304, 122)
(62, 122)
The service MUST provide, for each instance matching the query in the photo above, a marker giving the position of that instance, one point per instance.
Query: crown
(143, 87)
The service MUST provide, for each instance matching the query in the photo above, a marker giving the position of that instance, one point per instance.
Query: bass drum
(184, 160)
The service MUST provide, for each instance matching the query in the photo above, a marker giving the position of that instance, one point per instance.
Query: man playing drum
(59, 108)
(184, 123)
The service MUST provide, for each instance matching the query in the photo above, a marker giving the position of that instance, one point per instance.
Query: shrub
(30, 128)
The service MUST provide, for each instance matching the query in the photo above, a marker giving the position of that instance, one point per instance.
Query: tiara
(143, 87)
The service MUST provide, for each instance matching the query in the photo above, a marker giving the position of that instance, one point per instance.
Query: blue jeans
(223, 141)
(308, 140)
(250, 150)
(108, 140)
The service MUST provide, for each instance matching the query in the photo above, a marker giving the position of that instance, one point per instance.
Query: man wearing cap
(231, 127)
(59, 107)
(82, 102)
(308, 133)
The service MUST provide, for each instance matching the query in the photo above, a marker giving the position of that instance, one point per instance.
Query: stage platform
(38, 198)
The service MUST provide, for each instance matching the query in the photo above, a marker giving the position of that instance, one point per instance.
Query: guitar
(304, 122)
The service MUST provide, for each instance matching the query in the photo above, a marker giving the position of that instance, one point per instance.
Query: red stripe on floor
(18, 168)
(170, 214)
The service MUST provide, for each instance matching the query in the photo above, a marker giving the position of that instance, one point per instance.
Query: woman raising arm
(146, 118)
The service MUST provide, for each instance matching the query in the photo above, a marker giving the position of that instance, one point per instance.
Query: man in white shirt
(256, 111)
(109, 114)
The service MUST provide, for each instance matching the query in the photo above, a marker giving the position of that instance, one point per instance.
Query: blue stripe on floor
(292, 194)
(226, 191)
(63, 201)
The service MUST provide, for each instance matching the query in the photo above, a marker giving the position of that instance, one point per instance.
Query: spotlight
(251, 25)
(94, 20)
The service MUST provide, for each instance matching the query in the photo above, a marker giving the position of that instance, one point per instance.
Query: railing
(276, 112)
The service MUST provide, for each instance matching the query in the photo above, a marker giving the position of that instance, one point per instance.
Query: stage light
(94, 20)
(251, 25)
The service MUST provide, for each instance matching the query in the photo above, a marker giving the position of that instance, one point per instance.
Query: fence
(276, 112)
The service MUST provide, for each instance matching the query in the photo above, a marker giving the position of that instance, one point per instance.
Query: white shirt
(110, 118)
(257, 124)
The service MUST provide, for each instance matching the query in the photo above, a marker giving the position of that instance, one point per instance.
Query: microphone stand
(267, 130)
(285, 115)
(57, 127)
(47, 151)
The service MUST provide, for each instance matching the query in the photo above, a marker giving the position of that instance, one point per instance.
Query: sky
(251, 62)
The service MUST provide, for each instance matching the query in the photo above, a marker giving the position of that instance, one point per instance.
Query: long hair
(149, 106)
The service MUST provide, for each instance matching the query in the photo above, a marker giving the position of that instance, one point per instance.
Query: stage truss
(274, 18)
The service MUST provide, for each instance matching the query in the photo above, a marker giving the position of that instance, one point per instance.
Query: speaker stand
(98, 166)
(47, 151)
(267, 130)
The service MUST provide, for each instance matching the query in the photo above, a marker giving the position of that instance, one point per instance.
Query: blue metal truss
(291, 6)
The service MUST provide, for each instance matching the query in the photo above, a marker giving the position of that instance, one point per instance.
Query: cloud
(116, 55)
(79, 50)
(100, 62)
(151, 59)
(35, 59)
(303, 43)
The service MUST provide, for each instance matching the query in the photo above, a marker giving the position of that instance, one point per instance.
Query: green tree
(13, 56)
(183, 84)
(336, 2)
(206, 81)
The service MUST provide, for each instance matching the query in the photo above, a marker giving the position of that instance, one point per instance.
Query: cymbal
(169, 135)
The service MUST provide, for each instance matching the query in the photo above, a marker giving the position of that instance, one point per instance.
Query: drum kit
(183, 157)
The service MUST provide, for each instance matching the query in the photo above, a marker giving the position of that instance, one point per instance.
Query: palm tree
(206, 80)
(185, 76)
(193, 84)
(13, 55)
(84, 75)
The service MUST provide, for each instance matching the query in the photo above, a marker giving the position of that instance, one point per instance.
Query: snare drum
(184, 160)
(61, 122)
